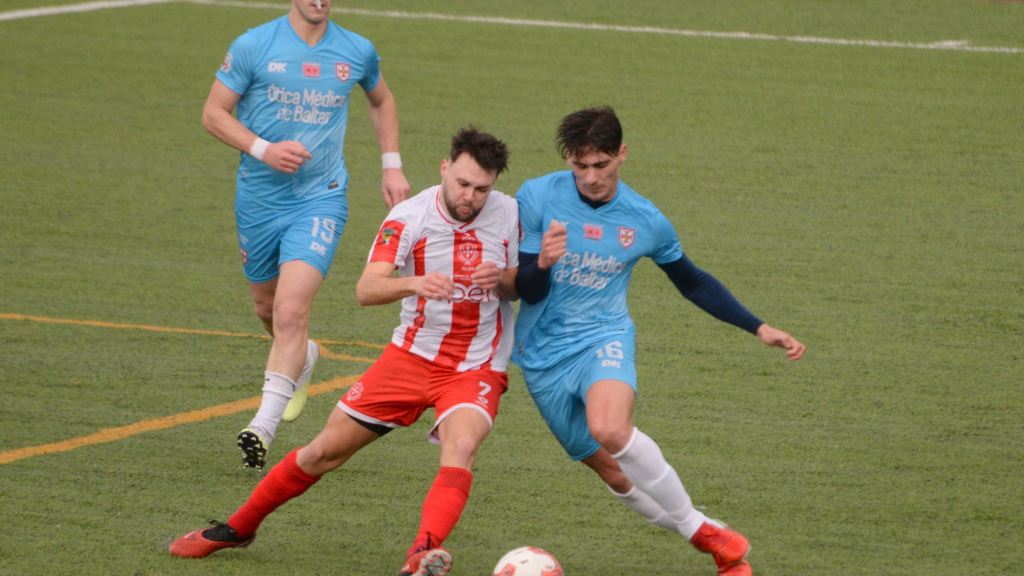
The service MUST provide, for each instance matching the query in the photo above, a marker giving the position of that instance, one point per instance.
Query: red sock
(284, 482)
(443, 506)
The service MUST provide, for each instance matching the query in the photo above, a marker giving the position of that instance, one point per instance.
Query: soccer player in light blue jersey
(583, 231)
(291, 80)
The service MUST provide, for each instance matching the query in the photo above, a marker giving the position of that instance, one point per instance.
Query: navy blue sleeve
(708, 294)
(532, 283)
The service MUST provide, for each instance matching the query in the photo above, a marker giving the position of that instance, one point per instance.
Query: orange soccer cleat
(202, 543)
(727, 546)
(427, 562)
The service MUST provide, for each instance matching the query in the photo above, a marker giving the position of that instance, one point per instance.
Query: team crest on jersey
(467, 252)
(387, 234)
(226, 66)
(310, 70)
(343, 71)
(592, 232)
(626, 236)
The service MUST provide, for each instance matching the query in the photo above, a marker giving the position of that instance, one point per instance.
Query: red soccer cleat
(727, 546)
(742, 568)
(202, 543)
(432, 562)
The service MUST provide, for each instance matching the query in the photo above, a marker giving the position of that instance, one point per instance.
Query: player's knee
(318, 458)
(461, 449)
(612, 436)
(290, 316)
(264, 310)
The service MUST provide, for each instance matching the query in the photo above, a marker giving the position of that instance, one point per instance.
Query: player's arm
(533, 282)
(489, 277)
(713, 297)
(384, 117)
(218, 120)
(378, 286)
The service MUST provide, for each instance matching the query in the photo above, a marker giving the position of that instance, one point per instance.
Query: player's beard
(453, 209)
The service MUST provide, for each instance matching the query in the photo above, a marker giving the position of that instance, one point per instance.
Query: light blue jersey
(589, 284)
(291, 91)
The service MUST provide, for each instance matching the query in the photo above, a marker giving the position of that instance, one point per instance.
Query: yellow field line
(111, 434)
(167, 329)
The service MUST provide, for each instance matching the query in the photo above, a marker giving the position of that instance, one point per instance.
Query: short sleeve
(237, 70)
(512, 238)
(666, 242)
(371, 65)
(531, 229)
(393, 242)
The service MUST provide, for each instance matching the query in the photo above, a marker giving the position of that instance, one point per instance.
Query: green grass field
(868, 200)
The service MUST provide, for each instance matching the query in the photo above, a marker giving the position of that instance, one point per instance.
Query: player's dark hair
(489, 152)
(589, 130)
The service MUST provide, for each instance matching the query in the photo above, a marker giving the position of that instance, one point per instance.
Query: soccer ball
(528, 562)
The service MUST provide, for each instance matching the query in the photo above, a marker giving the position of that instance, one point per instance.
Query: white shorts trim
(433, 437)
(364, 418)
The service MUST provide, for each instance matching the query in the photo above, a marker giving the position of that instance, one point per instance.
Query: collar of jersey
(295, 35)
(448, 219)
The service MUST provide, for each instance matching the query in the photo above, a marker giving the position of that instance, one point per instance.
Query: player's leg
(297, 472)
(466, 405)
(609, 417)
(311, 238)
(636, 500)
(290, 355)
(263, 303)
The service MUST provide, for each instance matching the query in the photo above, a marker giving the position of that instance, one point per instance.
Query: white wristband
(391, 160)
(259, 148)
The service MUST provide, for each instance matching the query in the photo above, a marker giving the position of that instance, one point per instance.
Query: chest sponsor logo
(592, 232)
(626, 236)
(343, 71)
(310, 70)
(277, 67)
(587, 270)
(226, 65)
(308, 106)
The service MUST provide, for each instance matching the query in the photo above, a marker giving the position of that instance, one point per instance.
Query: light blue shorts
(268, 238)
(560, 392)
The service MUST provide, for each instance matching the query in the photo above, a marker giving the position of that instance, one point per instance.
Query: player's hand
(552, 245)
(487, 275)
(435, 286)
(773, 337)
(394, 187)
(286, 156)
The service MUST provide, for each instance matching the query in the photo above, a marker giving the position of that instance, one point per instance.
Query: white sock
(277, 391)
(645, 466)
(638, 501)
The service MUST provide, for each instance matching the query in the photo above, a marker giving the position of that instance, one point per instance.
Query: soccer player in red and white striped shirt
(456, 249)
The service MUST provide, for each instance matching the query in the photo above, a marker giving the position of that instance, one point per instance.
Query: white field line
(958, 45)
(86, 7)
(954, 45)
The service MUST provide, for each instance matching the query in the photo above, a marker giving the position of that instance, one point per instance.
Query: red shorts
(401, 385)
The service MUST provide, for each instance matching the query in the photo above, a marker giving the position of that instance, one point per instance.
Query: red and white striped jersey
(474, 329)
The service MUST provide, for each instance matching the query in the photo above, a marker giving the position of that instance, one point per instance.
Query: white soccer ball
(528, 561)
